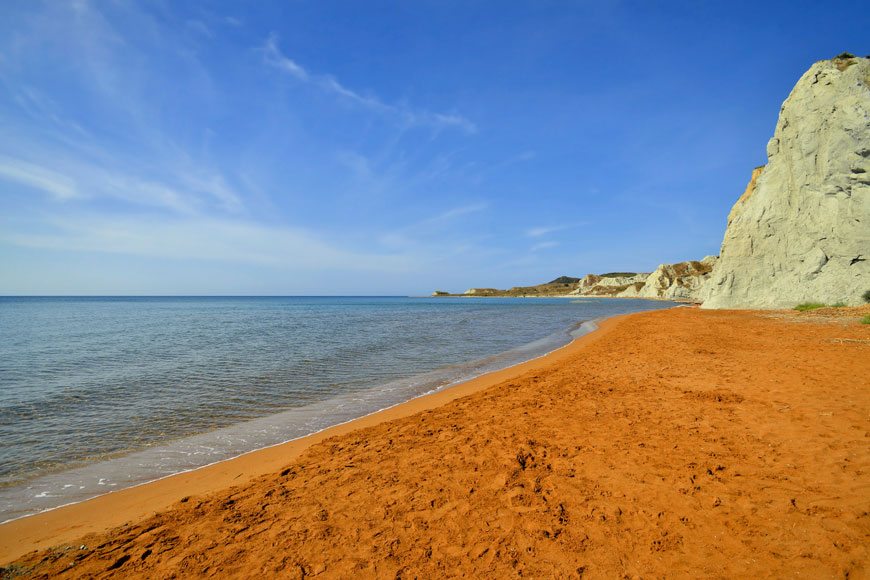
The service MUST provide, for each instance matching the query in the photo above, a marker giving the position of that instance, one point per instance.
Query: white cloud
(202, 239)
(40, 106)
(434, 233)
(274, 58)
(143, 192)
(136, 179)
(193, 192)
(189, 191)
(458, 211)
(329, 84)
(359, 164)
(200, 27)
(214, 185)
(497, 168)
(543, 246)
(543, 231)
(57, 185)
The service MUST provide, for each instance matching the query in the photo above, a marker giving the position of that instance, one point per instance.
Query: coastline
(583, 297)
(131, 504)
(683, 443)
(246, 390)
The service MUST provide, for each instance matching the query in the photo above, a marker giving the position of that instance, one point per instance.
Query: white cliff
(801, 232)
(608, 285)
(680, 281)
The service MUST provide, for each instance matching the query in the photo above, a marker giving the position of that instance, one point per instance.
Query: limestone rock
(477, 291)
(801, 232)
(595, 285)
(680, 281)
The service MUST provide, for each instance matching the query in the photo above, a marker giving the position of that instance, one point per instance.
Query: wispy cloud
(275, 58)
(543, 231)
(213, 185)
(57, 185)
(432, 230)
(329, 84)
(200, 27)
(191, 192)
(201, 239)
(458, 211)
(543, 246)
(39, 106)
(96, 160)
(500, 166)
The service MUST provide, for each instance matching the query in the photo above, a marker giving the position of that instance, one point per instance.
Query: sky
(383, 148)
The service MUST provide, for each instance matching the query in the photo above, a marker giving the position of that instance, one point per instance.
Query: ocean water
(98, 394)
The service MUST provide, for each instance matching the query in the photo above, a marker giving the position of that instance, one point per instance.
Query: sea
(99, 394)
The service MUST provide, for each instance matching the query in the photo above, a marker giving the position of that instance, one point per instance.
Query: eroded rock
(801, 232)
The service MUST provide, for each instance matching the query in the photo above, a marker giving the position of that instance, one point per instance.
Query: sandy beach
(681, 443)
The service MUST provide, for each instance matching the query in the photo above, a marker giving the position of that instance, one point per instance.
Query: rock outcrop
(681, 281)
(801, 231)
(609, 285)
(481, 291)
(558, 287)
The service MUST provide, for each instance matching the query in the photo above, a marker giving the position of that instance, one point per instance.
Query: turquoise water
(98, 394)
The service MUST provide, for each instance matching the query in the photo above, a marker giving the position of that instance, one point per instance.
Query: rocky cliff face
(680, 281)
(801, 232)
(481, 291)
(608, 285)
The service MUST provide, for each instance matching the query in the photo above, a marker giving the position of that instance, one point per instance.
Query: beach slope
(682, 443)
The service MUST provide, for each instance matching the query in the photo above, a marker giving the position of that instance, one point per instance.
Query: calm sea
(98, 394)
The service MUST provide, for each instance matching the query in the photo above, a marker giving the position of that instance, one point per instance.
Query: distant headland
(681, 281)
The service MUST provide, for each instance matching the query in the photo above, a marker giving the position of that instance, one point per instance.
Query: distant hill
(680, 281)
(559, 287)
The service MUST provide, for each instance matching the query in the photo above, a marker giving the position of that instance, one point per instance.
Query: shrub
(839, 305)
(845, 55)
(864, 319)
(866, 296)
(809, 306)
(564, 280)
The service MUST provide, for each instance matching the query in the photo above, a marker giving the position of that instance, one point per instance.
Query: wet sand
(682, 443)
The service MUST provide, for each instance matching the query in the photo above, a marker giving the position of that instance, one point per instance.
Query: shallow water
(98, 394)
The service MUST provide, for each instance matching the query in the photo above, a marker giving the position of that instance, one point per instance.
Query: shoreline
(115, 508)
(129, 461)
(582, 297)
(685, 443)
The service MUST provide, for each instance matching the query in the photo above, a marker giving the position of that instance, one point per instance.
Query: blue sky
(317, 147)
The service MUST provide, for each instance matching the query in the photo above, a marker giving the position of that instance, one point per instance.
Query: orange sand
(681, 443)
